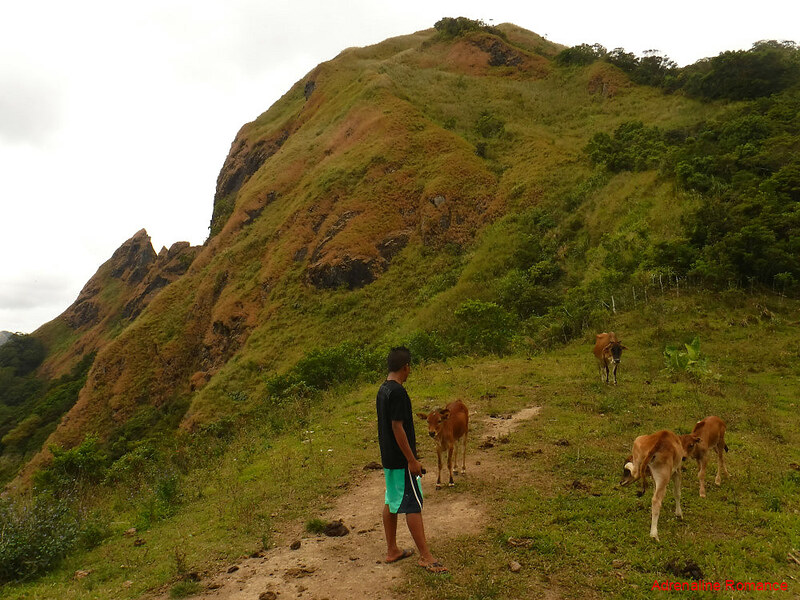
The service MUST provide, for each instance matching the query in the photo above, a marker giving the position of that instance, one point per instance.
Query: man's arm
(414, 466)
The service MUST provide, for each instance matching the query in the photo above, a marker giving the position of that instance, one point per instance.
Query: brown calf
(660, 454)
(710, 434)
(607, 350)
(447, 426)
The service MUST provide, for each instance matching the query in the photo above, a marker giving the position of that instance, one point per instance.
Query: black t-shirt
(393, 404)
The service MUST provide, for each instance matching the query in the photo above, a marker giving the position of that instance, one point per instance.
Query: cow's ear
(607, 347)
(422, 416)
(445, 414)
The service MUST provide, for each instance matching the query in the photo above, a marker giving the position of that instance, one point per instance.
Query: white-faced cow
(608, 350)
(659, 454)
(710, 435)
(448, 426)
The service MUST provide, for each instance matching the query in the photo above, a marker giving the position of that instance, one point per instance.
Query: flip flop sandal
(436, 568)
(405, 554)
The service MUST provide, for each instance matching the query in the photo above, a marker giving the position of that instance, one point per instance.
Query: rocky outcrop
(245, 158)
(129, 265)
(168, 266)
(350, 272)
(500, 53)
(120, 290)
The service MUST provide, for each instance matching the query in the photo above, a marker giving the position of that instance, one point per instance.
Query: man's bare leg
(417, 529)
(390, 529)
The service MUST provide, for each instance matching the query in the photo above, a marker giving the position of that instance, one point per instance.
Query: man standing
(400, 465)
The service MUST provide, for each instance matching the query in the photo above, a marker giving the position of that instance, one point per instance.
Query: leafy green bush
(450, 27)
(429, 346)
(483, 327)
(323, 368)
(522, 292)
(93, 531)
(687, 359)
(35, 534)
(767, 68)
(580, 55)
(490, 126)
(72, 469)
(633, 147)
(23, 353)
(161, 502)
(746, 224)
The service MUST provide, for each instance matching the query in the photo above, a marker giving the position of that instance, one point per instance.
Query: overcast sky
(117, 116)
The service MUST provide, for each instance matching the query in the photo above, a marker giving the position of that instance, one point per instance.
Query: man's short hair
(398, 358)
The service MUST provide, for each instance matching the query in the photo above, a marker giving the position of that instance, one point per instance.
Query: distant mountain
(4, 335)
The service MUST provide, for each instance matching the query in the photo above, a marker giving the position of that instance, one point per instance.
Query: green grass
(564, 499)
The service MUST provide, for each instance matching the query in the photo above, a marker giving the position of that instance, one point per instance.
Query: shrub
(161, 502)
(36, 534)
(428, 346)
(633, 147)
(23, 353)
(520, 291)
(72, 469)
(581, 55)
(450, 27)
(490, 126)
(93, 531)
(686, 360)
(767, 68)
(484, 327)
(323, 368)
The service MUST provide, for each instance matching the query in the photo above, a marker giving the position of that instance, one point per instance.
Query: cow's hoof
(463, 471)
(717, 482)
(702, 494)
(451, 484)
(679, 515)
(438, 486)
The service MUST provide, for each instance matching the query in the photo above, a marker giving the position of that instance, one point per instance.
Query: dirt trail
(352, 566)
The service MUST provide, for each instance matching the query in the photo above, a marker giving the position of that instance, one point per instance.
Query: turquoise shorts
(403, 492)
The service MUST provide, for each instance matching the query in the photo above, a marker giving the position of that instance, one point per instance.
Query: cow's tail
(646, 461)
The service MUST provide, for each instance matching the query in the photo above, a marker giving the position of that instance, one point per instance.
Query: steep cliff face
(115, 295)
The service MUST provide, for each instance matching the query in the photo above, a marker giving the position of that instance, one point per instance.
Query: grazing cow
(447, 426)
(710, 433)
(661, 455)
(608, 350)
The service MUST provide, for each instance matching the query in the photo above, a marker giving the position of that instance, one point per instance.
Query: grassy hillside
(469, 191)
(557, 491)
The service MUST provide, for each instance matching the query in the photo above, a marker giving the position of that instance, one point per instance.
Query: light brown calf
(448, 426)
(710, 433)
(607, 350)
(660, 454)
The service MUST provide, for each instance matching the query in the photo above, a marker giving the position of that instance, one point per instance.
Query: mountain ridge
(393, 181)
